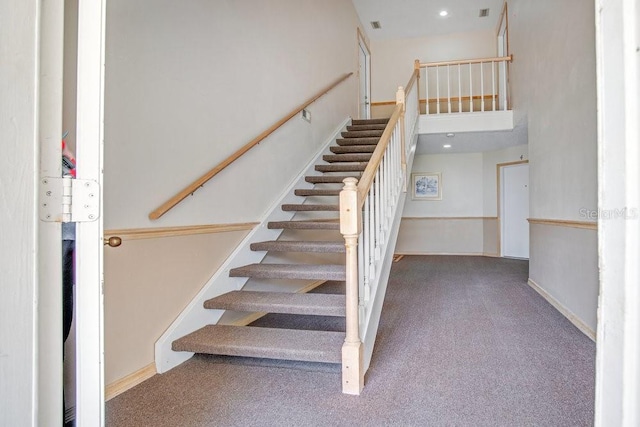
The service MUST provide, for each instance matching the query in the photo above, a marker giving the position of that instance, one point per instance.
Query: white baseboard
(130, 381)
(577, 322)
(403, 253)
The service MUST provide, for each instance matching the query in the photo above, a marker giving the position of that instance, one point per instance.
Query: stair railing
(199, 183)
(468, 85)
(369, 222)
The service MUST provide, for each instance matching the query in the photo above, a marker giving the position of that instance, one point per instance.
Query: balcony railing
(470, 85)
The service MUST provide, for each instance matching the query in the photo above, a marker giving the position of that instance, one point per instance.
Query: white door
(514, 205)
(364, 65)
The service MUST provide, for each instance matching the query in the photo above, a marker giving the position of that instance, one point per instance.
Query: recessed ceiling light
(451, 135)
(443, 13)
(446, 146)
(376, 25)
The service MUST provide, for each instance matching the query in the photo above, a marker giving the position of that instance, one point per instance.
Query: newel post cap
(350, 216)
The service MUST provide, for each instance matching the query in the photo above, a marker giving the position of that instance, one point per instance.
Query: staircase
(317, 215)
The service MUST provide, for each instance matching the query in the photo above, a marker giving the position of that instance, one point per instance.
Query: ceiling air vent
(483, 13)
(376, 25)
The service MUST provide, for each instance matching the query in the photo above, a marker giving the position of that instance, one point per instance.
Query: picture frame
(426, 186)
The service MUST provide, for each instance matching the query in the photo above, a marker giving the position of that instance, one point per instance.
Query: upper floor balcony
(470, 95)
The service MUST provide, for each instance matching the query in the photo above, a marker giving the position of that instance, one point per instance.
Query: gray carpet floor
(463, 341)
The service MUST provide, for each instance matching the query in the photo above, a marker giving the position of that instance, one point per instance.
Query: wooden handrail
(466, 61)
(370, 171)
(195, 185)
(412, 81)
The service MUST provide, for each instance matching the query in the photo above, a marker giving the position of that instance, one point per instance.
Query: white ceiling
(419, 18)
(472, 142)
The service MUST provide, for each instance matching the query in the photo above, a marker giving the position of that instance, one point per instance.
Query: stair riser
(346, 149)
(286, 246)
(310, 346)
(362, 134)
(346, 158)
(329, 179)
(316, 193)
(303, 225)
(277, 302)
(369, 121)
(342, 168)
(357, 141)
(366, 127)
(310, 208)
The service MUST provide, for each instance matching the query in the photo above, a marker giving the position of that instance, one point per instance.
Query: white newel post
(350, 228)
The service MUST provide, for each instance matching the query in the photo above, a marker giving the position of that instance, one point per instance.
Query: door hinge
(69, 200)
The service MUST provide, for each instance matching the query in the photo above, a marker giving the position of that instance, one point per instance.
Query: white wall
(461, 186)
(465, 220)
(147, 286)
(392, 60)
(553, 82)
(188, 83)
(18, 227)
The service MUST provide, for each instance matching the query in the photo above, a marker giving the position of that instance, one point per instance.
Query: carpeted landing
(463, 341)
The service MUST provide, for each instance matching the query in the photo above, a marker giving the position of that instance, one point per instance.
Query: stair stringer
(195, 316)
(369, 328)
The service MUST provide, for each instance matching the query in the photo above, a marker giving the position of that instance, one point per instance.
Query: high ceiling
(420, 18)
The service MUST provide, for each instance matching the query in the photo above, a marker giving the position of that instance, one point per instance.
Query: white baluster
(437, 90)
(378, 237)
(372, 233)
(481, 86)
(426, 80)
(504, 85)
(448, 89)
(470, 87)
(459, 90)
(493, 86)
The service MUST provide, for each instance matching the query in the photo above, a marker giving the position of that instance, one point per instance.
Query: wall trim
(449, 218)
(159, 232)
(588, 225)
(575, 320)
(123, 384)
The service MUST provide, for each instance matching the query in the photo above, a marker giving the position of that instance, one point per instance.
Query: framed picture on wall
(426, 186)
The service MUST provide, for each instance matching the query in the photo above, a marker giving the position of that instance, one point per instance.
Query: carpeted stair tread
(380, 126)
(358, 141)
(369, 121)
(316, 192)
(346, 149)
(362, 133)
(280, 302)
(299, 246)
(342, 167)
(349, 157)
(304, 225)
(269, 343)
(329, 179)
(291, 207)
(291, 271)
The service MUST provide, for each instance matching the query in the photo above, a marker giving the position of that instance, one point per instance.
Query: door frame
(499, 167)
(89, 235)
(364, 47)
